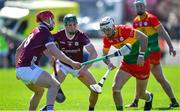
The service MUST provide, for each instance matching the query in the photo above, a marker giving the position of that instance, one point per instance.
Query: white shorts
(66, 69)
(29, 74)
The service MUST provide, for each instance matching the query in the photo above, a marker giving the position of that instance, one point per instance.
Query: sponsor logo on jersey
(110, 41)
(76, 43)
(121, 38)
(145, 23)
(140, 24)
(69, 44)
(62, 42)
(136, 24)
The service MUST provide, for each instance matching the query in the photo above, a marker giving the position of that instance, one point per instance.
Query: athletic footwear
(60, 98)
(132, 105)
(173, 105)
(148, 105)
(44, 108)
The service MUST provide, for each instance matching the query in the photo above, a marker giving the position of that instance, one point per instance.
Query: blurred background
(17, 19)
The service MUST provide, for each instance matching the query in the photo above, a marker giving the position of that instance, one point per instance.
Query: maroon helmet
(44, 15)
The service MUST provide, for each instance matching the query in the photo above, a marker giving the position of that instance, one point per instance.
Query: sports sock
(50, 107)
(136, 101)
(173, 100)
(119, 108)
(149, 98)
(91, 108)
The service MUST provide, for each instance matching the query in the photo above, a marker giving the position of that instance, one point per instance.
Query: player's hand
(172, 51)
(110, 65)
(52, 60)
(140, 61)
(76, 65)
(83, 69)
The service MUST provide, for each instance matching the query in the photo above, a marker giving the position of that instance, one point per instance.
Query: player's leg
(142, 93)
(60, 76)
(60, 72)
(88, 79)
(36, 97)
(158, 74)
(120, 79)
(142, 74)
(35, 75)
(46, 80)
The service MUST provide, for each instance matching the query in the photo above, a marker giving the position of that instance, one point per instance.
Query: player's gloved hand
(140, 59)
(76, 65)
(172, 51)
(110, 65)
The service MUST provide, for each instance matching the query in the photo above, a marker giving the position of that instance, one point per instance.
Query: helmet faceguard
(106, 23)
(46, 17)
(107, 26)
(70, 22)
(140, 6)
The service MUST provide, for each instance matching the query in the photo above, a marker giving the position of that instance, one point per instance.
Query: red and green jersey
(148, 24)
(123, 34)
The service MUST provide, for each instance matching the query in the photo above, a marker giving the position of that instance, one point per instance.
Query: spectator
(3, 52)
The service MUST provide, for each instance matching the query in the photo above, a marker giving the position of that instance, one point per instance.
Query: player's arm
(143, 40)
(92, 51)
(18, 50)
(165, 35)
(61, 56)
(49, 56)
(107, 61)
(143, 45)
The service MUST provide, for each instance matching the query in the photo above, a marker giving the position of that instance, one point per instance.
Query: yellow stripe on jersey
(130, 41)
(106, 50)
(148, 30)
(157, 26)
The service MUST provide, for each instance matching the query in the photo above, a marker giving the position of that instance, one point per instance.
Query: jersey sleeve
(130, 34)
(155, 21)
(128, 31)
(48, 38)
(133, 23)
(85, 40)
(106, 45)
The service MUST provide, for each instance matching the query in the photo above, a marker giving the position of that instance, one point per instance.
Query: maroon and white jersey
(72, 48)
(34, 46)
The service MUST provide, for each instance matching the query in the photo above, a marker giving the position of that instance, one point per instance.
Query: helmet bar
(106, 23)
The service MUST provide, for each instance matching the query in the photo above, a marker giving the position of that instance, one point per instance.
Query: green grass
(15, 96)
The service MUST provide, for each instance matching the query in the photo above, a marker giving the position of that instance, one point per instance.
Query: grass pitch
(15, 96)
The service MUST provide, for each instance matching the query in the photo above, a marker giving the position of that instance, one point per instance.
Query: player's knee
(115, 89)
(161, 80)
(55, 84)
(39, 91)
(94, 93)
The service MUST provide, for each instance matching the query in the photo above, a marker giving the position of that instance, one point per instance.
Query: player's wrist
(141, 54)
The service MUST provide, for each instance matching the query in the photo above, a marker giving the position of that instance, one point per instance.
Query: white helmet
(106, 23)
(140, 1)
